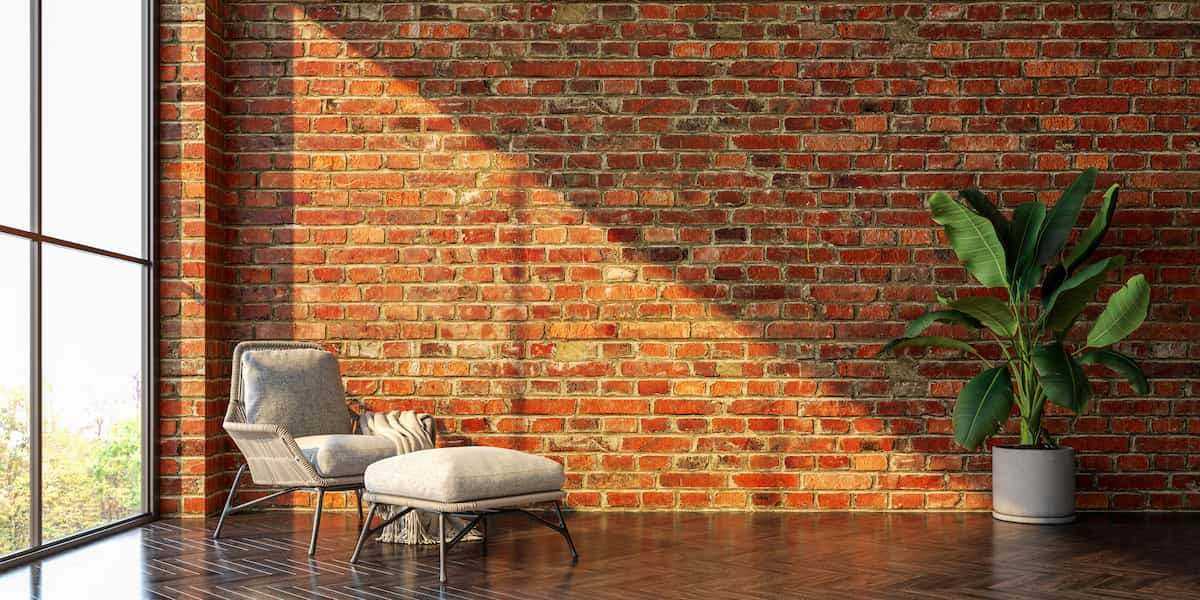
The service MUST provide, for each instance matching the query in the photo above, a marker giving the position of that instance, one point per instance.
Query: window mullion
(35, 270)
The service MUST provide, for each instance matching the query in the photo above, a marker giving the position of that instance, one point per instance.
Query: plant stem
(1028, 432)
(1031, 425)
(1020, 373)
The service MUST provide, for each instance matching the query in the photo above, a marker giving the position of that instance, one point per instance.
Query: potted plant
(1034, 358)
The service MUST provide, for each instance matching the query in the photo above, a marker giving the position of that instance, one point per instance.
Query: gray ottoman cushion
(463, 474)
(344, 455)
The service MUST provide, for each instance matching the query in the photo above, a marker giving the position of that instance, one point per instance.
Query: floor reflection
(650, 556)
(109, 568)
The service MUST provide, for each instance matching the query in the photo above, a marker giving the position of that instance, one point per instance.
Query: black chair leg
(229, 501)
(312, 544)
(358, 497)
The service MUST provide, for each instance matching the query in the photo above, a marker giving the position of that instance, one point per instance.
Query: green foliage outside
(90, 477)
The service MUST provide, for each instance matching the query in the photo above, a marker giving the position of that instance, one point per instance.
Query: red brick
(1058, 68)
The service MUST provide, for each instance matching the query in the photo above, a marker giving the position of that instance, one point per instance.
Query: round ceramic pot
(1033, 485)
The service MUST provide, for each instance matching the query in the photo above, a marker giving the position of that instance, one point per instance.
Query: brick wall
(660, 242)
(193, 293)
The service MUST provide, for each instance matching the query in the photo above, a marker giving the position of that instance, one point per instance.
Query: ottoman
(470, 481)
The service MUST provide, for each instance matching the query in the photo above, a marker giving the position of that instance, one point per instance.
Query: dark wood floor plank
(644, 556)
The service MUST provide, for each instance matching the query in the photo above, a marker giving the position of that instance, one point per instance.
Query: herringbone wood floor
(648, 555)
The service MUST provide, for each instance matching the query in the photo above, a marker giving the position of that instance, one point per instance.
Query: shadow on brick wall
(658, 247)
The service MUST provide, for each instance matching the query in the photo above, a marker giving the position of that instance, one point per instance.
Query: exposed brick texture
(193, 305)
(660, 242)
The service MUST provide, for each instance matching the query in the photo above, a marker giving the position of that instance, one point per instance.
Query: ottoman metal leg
(367, 530)
(483, 532)
(445, 545)
(560, 526)
(442, 547)
(566, 533)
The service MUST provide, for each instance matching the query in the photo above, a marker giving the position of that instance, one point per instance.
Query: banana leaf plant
(1039, 362)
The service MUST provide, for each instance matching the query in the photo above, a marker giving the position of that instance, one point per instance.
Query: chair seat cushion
(344, 455)
(463, 474)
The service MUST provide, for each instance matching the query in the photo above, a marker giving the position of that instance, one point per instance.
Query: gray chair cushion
(300, 389)
(463, 474)
(342, 455)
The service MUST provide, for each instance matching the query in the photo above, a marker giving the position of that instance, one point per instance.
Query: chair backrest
(294, 384)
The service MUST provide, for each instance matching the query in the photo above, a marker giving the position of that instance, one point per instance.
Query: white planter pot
(1033, 485)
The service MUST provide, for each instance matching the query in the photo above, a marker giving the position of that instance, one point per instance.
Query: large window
(75, 273)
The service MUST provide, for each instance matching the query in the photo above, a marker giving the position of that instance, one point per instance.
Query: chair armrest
(272, 454)
(247, 429)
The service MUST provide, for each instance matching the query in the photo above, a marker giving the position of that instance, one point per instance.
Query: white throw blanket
(409, 432)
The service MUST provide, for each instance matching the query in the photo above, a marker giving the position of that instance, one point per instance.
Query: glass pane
(91, 391)
(15, 116)
(20, 582)
(14, 394)
(92, 123)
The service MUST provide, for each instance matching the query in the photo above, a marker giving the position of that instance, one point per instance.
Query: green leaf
(1062, 308)
(927, 341)
(984, 207)
(1061, 377)
(1054, 278)
(983, 405)
(1022, 242)
(1090, 239)
(973, 239)
(1120, 363)
(1062, 217)
(993, 313)
(1125, 311)
(954, 317)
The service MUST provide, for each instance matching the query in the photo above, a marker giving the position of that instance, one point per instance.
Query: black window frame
(39, 548)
